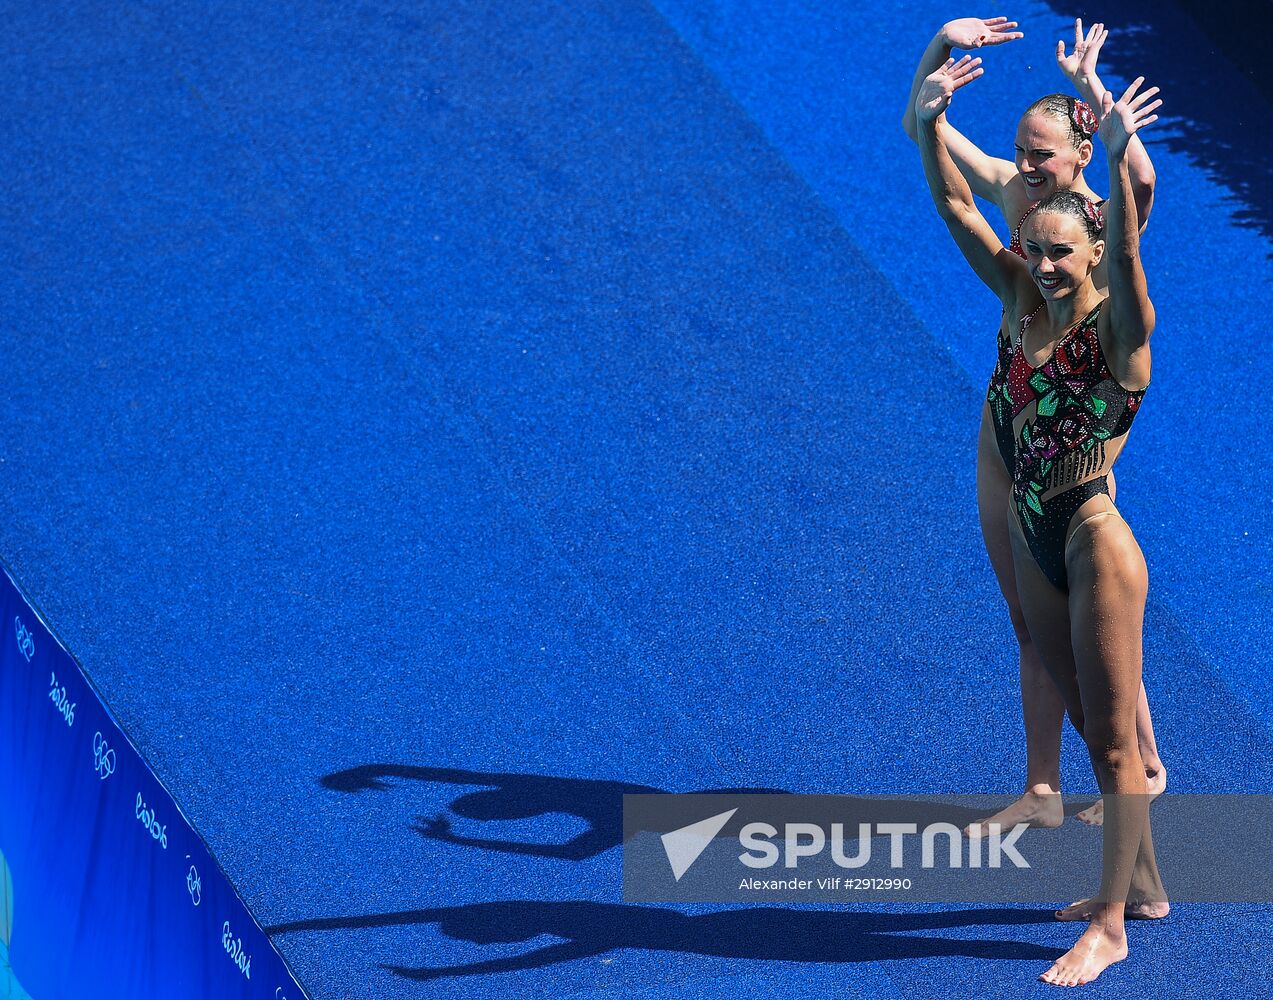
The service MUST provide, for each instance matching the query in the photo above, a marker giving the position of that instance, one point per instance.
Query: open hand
(974, 32)
(936, 91)
(434, 827)
(1122, 119)
(1081, 64)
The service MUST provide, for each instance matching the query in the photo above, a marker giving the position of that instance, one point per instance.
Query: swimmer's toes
(1093, 815)
(1147, 911)
(1079, 910)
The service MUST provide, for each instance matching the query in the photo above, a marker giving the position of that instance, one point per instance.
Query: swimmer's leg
(1108, 586)
(1042, 709)
(1048, 613)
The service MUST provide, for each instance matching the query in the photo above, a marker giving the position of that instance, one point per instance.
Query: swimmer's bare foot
(1040, 806)
(1084, 908)
(1155, 785)
(1096, 950)
(1093, 815)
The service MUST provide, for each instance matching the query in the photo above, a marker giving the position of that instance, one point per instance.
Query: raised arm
(1080, 67)
(994, 265)
(1131, 312)
(986, 174)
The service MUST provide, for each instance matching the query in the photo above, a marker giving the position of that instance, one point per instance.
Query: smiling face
(1060, 253)
(1046, 157)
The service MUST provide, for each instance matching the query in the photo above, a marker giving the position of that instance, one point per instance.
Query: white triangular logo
(683, 846)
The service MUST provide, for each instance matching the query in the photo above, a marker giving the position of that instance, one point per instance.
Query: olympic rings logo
(103, 756)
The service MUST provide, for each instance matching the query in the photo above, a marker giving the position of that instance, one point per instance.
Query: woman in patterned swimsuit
(1052, 148)
(1079, 367)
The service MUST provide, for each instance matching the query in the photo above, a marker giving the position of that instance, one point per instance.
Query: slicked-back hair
(1063, 108)
(1073, 203)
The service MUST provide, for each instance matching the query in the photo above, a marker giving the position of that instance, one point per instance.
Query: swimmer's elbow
(1143, 196)
(956, 217)
(957, 208)
(1125, 258)
(946, 209)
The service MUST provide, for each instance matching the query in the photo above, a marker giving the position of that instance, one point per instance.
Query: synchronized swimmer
(1074, 366)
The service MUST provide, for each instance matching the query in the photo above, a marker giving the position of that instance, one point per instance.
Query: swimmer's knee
(1108, 753)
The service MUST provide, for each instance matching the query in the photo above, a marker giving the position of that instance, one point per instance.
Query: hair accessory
(1083, 118)
(1092, 210)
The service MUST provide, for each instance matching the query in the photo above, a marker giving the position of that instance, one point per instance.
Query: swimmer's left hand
(938, 88)
(1081, 64)
(1122, 119)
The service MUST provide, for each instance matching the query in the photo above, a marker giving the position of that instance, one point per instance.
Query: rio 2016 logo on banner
(234, 948)
(152, 825)
(64, 705)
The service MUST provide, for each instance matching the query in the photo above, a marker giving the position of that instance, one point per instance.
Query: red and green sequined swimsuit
(1064, 414)
(1001, 404)
(997, 390)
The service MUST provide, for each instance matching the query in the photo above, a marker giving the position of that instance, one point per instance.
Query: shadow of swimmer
(10, 988)
(517, 797)
(588, 929)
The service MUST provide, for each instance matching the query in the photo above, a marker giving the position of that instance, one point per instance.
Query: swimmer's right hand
(974, 32)
(938, 88)
(436, 827)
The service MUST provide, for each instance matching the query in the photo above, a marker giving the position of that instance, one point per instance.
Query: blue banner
(106, 890)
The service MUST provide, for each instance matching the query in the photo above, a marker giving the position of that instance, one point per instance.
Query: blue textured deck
(581, 395)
